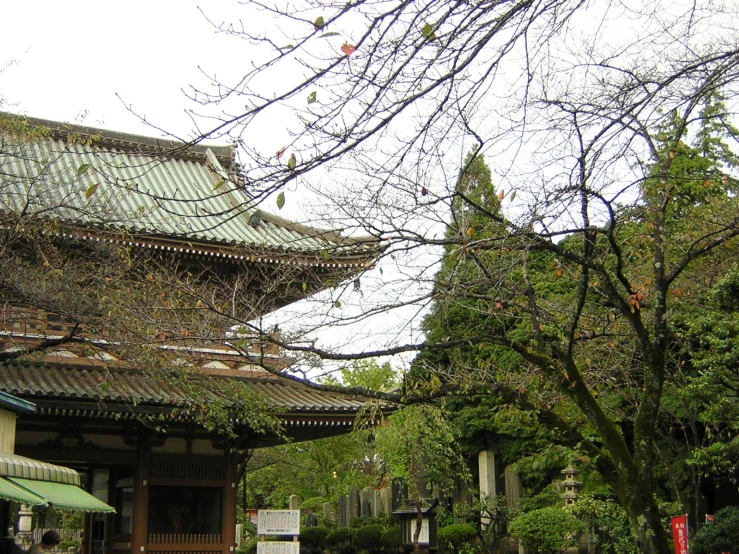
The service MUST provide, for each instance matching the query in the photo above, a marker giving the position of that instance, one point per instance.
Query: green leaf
(312, 97)
(305, 286)
(291, 162)
(82, 169)
(324, 253)
(428, 31)
(219, 184)
(318, 24)
(331, 34)
(513, 196)
(280, 200)
(91, 190)
(337, 304)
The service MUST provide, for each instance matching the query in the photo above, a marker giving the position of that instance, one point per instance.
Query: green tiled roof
(104, 389)
(153, 188)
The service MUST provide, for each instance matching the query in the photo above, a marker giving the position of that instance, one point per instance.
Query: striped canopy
(12, 465)
(40, 484)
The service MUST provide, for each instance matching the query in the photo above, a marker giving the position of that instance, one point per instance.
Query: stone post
(486, 468)
(294, 502)
(513, 486)
(376, 503)
(344, 511)
(354, 504)
(366, 505)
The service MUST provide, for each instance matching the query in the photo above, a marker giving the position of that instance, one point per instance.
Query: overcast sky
(72, 58)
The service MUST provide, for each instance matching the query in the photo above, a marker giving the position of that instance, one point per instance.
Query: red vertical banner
(680, 534)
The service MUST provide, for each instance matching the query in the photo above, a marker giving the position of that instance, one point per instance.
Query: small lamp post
(408, 515)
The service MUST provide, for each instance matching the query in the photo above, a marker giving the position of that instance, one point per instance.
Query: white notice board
(278, 547)
(278, 522)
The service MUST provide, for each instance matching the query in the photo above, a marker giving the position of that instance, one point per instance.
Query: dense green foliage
(313, 538)
(547, 530)
(392, 538)
(720, 535)
(453, 538)
(340, 541)
(607, 525)
(368, 538)
(313, 505)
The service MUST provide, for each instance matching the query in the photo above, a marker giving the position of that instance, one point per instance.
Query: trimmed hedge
(312, 539)
(340, 541)
(547, 530)
(453, 537)
(392, 538)
(368, 538)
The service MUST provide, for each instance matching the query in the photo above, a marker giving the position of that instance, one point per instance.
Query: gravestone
(387, 501)
(366, 503)
(344, 511)
(376, 503)
(311, 520)
(354, 504)
(294, 502)
(327, 511)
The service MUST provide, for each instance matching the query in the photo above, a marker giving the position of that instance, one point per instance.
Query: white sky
(75, 56)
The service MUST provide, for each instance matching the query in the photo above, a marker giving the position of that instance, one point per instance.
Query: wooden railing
(182, 538)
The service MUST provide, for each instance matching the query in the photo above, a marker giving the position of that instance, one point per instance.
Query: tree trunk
(644, 518)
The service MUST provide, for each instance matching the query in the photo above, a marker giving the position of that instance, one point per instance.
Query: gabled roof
(162, 194)
(113, 391)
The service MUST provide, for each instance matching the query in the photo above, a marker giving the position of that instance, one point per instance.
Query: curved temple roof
(152, 188)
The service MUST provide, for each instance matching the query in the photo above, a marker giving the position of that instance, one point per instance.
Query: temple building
(113, 406)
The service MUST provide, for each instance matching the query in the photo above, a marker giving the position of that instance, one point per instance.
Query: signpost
(278, 522)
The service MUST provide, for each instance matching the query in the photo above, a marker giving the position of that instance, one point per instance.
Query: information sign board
(278, 522)
(269, 547)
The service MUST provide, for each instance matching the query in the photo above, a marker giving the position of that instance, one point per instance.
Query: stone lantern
(408, 515)
(571, 485)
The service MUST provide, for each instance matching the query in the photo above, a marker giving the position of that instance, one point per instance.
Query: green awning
(64, 496)
(10, 491)
(12, 465)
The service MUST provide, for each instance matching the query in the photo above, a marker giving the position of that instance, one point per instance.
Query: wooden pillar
(230, 492)
(140, 527)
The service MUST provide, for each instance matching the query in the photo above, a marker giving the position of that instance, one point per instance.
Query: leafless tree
(579, 108)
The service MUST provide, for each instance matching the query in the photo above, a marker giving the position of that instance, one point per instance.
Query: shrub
(609, 527)
(721, 535)
(368, 538)
(313, 539)
(547, 530)
(392, 538)
(248, 547)
(66, 545)
(340, 541)
(452, 538)
(314, 505)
